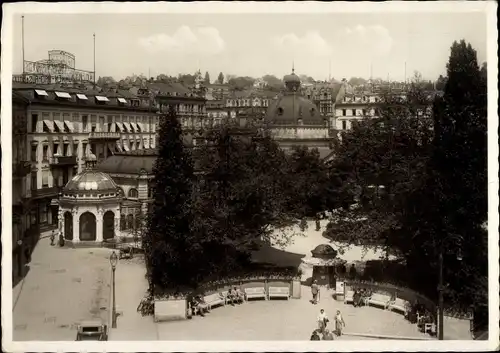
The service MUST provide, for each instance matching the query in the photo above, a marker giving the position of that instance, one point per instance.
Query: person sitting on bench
(239, 295)
(391, 301)
(231, 296)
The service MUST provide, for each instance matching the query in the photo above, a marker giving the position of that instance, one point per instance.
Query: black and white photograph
(243, 176)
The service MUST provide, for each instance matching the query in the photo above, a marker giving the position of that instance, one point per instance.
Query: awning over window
(122, 100)
(141, 127)
(134, 125)
(102, 98)
(120, 126)
(41, 92)
(127, 125)
(81, 96)
(118, 147)
(69, 124)
(49, 124)
(60, 125)
(63, 94)
(125, 147)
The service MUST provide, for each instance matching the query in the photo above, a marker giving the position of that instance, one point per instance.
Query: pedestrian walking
(315, 292)
(339, 323)
(322, 320)
(52, 237)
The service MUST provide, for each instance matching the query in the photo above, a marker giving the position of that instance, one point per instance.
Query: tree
(187, 79)
(273, 82)
(379, 162)
(356, 81)
(241, 83)
(206, 81)
(458, 178)
(239, 199)
(220, 78)
(306, 79)
(140, 226)
(105, 81)
(309, 192)
(167, 244)
(441, 83)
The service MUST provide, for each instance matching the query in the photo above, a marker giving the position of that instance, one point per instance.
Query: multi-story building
(217, 91)
(324, 95)
(216, 111)
(189, 107)
(64, 124)
(23, 236)
(249, 102)
(355, 106)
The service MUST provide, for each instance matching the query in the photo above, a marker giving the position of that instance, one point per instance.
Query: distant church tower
(199, 87)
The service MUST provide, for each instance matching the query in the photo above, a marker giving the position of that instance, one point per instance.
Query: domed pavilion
(293, 120)
(90, 206)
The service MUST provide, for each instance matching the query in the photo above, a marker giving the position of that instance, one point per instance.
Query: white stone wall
(98, 211)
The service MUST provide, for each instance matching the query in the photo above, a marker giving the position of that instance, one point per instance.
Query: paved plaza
(62, 288)
(66, 286)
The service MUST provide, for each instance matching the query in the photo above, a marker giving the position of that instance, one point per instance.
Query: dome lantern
(292, 81)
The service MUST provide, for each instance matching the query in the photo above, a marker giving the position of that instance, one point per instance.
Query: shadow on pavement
(270, 255)
(25, 271)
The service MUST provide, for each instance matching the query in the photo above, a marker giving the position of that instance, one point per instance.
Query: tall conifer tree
(166, 241)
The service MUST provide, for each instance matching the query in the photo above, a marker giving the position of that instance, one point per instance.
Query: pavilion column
(99, 227)
(76, 225)
(117, 223)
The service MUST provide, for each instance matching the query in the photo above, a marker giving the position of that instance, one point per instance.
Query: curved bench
(399, 306)
(279, 292)
(214, 300)
(255, 293)
(348, 299)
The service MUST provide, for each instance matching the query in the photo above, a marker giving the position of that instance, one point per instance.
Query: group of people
(360, 296)
(234, 295)
(322, 329)
(198, 306)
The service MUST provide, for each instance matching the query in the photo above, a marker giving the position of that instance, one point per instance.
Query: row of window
(246, 103)
(359, 112)
(371, 99)
(54, 122)
(43, 152)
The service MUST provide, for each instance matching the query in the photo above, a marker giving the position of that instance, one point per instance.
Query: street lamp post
(441, 292)
(113, 259)
(440, 298)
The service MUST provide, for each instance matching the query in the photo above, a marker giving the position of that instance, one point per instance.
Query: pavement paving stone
(63, 287)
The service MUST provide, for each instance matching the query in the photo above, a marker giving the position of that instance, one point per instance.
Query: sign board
(54, 72)
(339, 287)
(170, 310)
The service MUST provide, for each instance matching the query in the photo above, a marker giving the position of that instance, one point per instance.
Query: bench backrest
(255, 290)
(212, 297)
(380, 297)
(279, 290)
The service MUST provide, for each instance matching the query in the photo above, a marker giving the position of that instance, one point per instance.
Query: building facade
(24, 234)
(63, 125)
(249, 102)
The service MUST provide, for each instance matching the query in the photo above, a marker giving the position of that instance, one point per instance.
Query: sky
(342, 45)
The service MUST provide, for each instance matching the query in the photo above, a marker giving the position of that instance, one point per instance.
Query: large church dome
(291, 108)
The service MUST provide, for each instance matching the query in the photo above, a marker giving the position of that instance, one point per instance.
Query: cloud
(201, 40)
(375, 39)
(310, 43)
